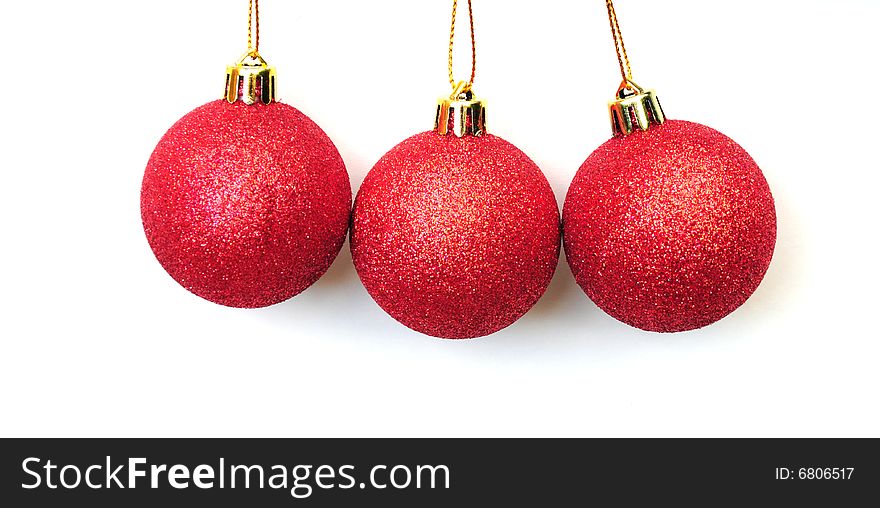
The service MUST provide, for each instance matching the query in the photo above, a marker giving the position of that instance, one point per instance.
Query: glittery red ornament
(669, 229)
(455, 237)
(245, 205)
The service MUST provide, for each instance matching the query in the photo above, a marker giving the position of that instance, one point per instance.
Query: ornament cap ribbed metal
(634, 108)
(461, 114)
(250, 80)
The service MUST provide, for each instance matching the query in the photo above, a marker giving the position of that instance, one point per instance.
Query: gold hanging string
(462, 86)
(622, 58)
(253, 28)
(635, 107)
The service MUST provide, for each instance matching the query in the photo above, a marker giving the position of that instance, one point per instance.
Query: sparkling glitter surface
(670, 229)
(245, 206)
(455, 237)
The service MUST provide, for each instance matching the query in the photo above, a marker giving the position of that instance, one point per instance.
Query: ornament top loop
(461, 113)
(628, 88)
(460, 91)
(634, 106)
(250, 79)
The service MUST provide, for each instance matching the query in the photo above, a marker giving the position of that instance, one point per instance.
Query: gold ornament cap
(250, 80)
(461, 113)
(634, 108)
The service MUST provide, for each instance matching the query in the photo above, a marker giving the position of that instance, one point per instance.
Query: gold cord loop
(253, 28)
(619, 47)
(461, 87)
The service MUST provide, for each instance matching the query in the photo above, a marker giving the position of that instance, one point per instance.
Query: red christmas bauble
(455, 237)
(669, 229)
(245, 205)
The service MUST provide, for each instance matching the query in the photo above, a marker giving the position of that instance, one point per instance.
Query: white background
(98, 341)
